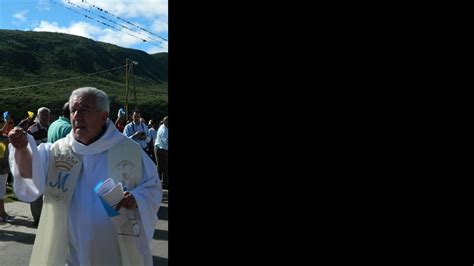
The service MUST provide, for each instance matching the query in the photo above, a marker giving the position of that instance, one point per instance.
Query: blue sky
(129, 22)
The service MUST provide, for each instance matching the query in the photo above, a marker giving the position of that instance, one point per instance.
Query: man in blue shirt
(138, 131)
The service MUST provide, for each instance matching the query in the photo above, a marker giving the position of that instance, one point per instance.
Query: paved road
(16, 239)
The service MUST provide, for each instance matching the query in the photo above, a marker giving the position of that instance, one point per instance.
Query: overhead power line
(122, 26)
(63, 80)
(107, 25)
(124, 20)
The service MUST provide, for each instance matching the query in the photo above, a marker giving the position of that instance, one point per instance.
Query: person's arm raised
(17, 137)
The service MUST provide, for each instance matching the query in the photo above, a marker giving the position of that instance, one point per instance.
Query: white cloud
(52, 27)
(93, 32)
(160, 26)
(118, 38)
(156, 49)
(20, 16)
(85, 29)
(80, 28)
(43, 5)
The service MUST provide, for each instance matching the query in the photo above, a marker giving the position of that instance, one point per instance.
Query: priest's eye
(82, 111)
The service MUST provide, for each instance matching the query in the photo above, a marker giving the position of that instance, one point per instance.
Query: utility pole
(126, 90)
(128, 69)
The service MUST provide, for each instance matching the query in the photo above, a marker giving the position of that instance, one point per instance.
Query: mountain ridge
(30, 57)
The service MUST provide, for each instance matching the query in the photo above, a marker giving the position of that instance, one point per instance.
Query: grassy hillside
(39, 57)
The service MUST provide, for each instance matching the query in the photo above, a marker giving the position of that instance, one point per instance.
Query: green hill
(29, 58)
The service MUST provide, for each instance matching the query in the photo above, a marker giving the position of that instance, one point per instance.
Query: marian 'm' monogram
(64, 162)
(61, 182)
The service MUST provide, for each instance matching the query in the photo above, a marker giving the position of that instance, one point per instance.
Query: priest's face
(87, 122)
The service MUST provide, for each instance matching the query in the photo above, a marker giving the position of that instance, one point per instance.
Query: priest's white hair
(102, 100)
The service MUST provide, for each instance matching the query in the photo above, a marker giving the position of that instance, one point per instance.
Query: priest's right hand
(17, 137)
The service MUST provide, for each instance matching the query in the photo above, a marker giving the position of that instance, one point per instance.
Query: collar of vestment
(109, 139)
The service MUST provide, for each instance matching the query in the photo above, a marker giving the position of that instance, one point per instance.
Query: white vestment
(92, 235)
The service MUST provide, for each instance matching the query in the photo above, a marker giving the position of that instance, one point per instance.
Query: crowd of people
(58, 166)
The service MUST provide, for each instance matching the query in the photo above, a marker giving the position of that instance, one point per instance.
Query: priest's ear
(104, 115)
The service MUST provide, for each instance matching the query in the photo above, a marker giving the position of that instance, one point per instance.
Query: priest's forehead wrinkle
(101, 99)
(83, 102)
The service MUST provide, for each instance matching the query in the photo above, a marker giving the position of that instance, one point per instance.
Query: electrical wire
(126, 21)
(62, 80)
(118, 24)
(105, 24)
